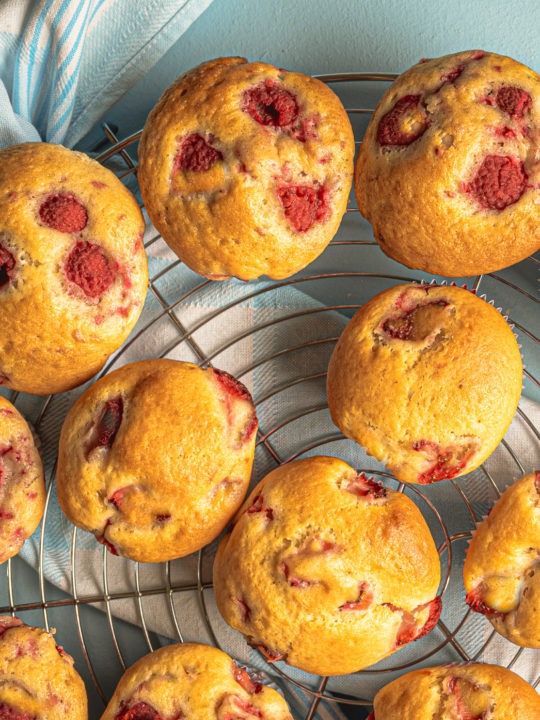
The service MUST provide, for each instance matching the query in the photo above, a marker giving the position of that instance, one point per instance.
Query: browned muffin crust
(326, 569)
(194, 681)
(461, 692)
(448, 171)
(22, 485)
(427, 379)
(155, 458)
(245, 169)
(37, 677)
(73, 271)
(501, 568)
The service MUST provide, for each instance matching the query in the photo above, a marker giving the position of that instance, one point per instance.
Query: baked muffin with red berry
(155, 458)
(427, 379)
(245, 169)
(37, 677)
(448, 173)
(22, 485)
(194, 681)
(500, 573)
(462, 692)
(73, 271)
(327, 570)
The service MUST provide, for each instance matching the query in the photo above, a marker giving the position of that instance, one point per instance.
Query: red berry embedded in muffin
(8, 712)
(303, 205)
(7, 263)
(409, 630)
(404, 123)
(242, 677)
(107, 425)
(270, 104)
(366, 487)
(139, 711)
(196, 154)
(89, 268)
(452, 75)
(244, 608)
(269, 655)
(513, 101)
(365, 598)
(470, 701)
(447, 462)
(499, 182)
(475, 600)
(63, 212)
(257, 506)
(408, 325)
(233, 707)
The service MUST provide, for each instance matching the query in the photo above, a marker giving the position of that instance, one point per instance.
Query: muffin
(192, 681)
(327, 570)
(427, 379)
(22, 485)
(245, 169)
(448, 172)
(500, 573)
(464, 692)
(155, 458)
(73, 271)
(37, 677)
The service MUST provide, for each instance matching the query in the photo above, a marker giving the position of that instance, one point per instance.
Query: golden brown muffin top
(22, 485)
(427, 378)
(457, 692)
(37, 677)
(500, 572)
(194, 681)
(448, 171)
(155, 458)
(245, 169)
(327, 569)
(73, 271)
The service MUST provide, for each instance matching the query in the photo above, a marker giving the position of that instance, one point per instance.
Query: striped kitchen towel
(64, 63)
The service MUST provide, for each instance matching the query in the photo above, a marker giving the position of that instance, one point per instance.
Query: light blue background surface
(323, 36)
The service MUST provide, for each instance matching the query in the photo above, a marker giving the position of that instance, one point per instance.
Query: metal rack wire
(171, 590)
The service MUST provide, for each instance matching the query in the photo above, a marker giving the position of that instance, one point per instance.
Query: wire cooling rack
(98, 638)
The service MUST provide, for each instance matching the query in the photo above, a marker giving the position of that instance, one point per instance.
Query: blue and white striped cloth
(64, 63)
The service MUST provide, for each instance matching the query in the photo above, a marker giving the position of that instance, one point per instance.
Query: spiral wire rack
(76, 602)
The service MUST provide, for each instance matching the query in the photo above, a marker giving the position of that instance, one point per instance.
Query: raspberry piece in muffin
(22, 485)
(471, 691)
(181, 441)
(415, 376)
(7, 264)
(404, 123)
(192, 681)
(107, 425)
(447, 172)
(63, 212)
(260, 179)
(321, 595)
(37, 677)
(88, 267)
(501, 568)
(73, 271)
(196, 154)
(499, 182)
(139, 711)
(270, 104)
(303, 205)
(513, 101)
